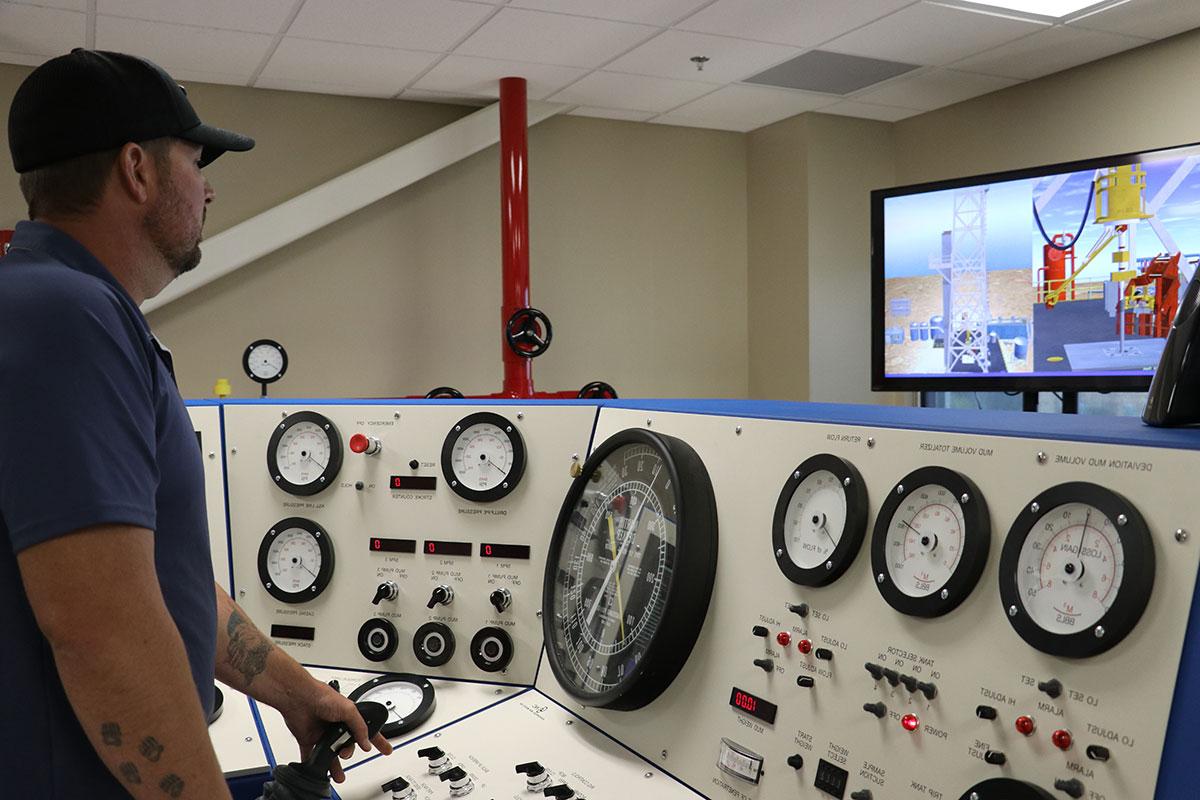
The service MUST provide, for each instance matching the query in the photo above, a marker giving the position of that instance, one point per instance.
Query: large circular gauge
(1076, 570)
(295, 560)
(409, 699)
(630, 570)
(305, 453)
(931, 542)
(265, 361)
(483, 457)
(820, 520)
(1005, 789)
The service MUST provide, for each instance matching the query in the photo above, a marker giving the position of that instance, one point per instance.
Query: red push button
(364, 444)
(784, 638)
(1025, 725)
(910, 722)
(1061, 739)
(805, 646)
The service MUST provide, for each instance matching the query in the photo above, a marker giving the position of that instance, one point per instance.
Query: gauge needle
(318, 463)
(492, 464)
(304, 567)
(1083, 535)
(825, 527)
(612, 568)
(612, 546)
(910, 527)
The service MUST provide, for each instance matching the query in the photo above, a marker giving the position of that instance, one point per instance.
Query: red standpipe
(514, 227)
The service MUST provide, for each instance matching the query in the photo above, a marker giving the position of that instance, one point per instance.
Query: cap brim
(216, 141)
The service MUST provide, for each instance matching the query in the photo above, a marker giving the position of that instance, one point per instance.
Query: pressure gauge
(1077, 570)
(265, 361)
(483, 457)
(1005, 789)
(305, 453)
(820, 520)
(409, 700)
(931, 542)
(630, 570)
(295, 560)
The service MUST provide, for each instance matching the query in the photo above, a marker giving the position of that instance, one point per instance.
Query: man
(111, 625)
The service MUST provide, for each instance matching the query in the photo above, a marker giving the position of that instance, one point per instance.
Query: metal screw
(870, 441)
(945, 594)
(1012, 611)
(249, 738)
(738, 430)
(796, 475)
(649, 775)
(396, 415)
(828, 565)
(649, 422)
(966, 498)
(1099, 631)
(879, 578)
(241, 593)
(900, 488)
(283, 414)
(574, 456)
(570, 722)
(1122, 519)
(779, 553)
(1041, 457)
(233, 451)
(664, 755)
(846, 482)
(1181, 535)
(211, 454)
(498, 691)
(1034, 508)
(520, 415)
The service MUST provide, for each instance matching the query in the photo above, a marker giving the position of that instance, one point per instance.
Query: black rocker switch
(995, 758)
(861, 794)
(562, 792)
(388, 590)
(985, 712)
(1097, 753)
(795, 761)
(759, 630)
(909, 682)
(806, 681)
(875, 670)
(501, 599)
(892, 676)
(799, 609)
(823, 653)
(765, 664)
(1052, 687)
(927, 689)
(442, 595)
(1073, 787)
(878, 709)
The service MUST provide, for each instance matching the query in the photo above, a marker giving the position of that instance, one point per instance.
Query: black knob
(765, 664)
(395, 785)
(452, 774)
(531, 769)
(878, 709)
(861, 794)
(892, 676)
(823, 653)
(805, 682)
(1097, 753)
(875, 670)
(358, 485)
(562, 791)
(909, 682)
(333, 684)
(795, 761)
(985, 712)
(386, 591)
(1073, 787)
(1052, 687)
(800, 609)
(759, 630)
(995, 757)
(927, 689)
(432, 753)
(501, 599)
(442, 595)
(414, 464)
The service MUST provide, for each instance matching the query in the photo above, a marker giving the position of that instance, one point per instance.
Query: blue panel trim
(228, 522)
(1177, 770)
(262, 733)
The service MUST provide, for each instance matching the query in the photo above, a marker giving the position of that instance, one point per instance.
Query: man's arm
(97, 600)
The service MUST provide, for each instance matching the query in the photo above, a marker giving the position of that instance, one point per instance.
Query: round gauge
(295, 560)
(820, 520)
(409, 699)
(305, 453)
(1076, 570)
(630, 570)
(483, 457)
(1005, 789)
(265, 361)
(931, 542)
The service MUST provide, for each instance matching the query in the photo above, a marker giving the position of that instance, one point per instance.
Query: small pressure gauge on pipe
(265, 361)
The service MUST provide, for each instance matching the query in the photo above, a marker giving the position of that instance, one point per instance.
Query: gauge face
(295, 560)
(265, 361)
(630, 570)
(483, 457)
(305, 453)
(931, 542)
(820, 520)
(1077, 570)
(409, 700)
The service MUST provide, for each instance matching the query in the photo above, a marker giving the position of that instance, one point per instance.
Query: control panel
(206, 420)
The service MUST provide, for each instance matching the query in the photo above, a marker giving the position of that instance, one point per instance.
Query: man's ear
(135, 172)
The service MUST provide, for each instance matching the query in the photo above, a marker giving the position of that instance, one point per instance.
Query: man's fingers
(382, 744)
(335, 771)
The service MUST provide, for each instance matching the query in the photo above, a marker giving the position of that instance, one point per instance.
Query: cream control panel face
(895, 613)
(400, 538)
(206, 420)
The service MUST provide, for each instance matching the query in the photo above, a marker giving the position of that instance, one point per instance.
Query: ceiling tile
(1152, 19)
(1047, 52)
(632, 92)
(376, 71)
(315, 87)
(932, 34)
(553, 38)
(36, 31)
(850, 108)
(802, 23)
(435, 25)
(425, 96)
(480, 76)
(179, 48)
(68, 5)
(649, 12)
(613, 113)
(669, 54)
(261, 16)
(933, 89)
(744, 108)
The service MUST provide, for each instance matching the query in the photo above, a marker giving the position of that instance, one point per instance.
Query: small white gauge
(265, 361)
(305, 453)
(295, 560)
(816, 511)
(409, 699)
(483, 457)
(925, 541)
(820, 520)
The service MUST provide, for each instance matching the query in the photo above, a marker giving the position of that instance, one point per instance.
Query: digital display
(753, 705)
(379, 545)
(437, 548)
(831, 779)
(414, 482)
(300, 632)
(515, 551)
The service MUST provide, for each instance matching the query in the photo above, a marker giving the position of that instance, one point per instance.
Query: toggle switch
(562, 792)
(759, 630)
(460, 782)
(1072, 787)
(799, 609)
(437, 759)
(892, 676)
(878, 709)
(995, 758)
(875, 670)
(985, 712)
(795, 761)
(806, 682)
(861, 794)
(366, 445)
(388, 590)
(1052, 687)
(928, 689)
(501, 599)
(1097, 753)
(442, 595)
(765, 664)
(399, 787)
(536, 776)
(909, 682)
(823, 653)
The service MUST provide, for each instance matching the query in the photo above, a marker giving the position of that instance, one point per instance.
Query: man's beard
(179, 256)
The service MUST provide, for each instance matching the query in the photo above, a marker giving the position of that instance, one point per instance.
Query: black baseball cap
(91, 100)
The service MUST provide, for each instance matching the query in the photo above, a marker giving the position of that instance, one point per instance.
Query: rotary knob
(995, 758)
(460, 782)
(388, 590)
(437, 759)
(501, 599)
(443, 595)
(536, 776)
(399, 787)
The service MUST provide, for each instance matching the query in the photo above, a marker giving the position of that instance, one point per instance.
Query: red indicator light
(1061, 739)
(359, 443)
(1025, 725)
(805, 646)
(784, 638)
(910, 722)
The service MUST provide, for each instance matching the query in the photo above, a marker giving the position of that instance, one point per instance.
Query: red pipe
(514, 227)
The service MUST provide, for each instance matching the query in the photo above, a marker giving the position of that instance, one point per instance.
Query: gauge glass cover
(820, 520)
(815, 519)
(265, 362)
(925, 541)
(409, 700)
(483, 457)
(295, 560)
(304, 454)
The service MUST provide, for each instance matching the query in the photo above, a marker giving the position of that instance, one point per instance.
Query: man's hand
(315, 707)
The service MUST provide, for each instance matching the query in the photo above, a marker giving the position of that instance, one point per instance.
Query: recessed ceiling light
(1042, 8)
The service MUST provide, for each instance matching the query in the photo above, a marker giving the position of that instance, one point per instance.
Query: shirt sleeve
(77, 425)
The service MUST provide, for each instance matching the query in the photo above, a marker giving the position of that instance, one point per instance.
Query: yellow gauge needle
(612, 546)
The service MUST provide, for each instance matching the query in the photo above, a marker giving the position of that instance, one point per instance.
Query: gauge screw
(1181, 535)
(1122, 519)
(964, 499)
(846, 482)
(1034, 508)
(900, 488)
(779, 553)
(1099, 631)
(1012, 611)
(879, 578)
(1041, 457)
(945, 594)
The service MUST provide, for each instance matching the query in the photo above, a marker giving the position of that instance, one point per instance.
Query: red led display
(413, 482)
(514, 551)
(380, 545)
(440, 548)
(753, 705)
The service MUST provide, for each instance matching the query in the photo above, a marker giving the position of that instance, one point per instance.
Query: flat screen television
(1058, 278)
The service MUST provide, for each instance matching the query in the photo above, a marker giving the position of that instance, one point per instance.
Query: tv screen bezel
(1001, 382)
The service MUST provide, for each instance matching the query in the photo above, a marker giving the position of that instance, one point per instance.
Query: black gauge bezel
(686, 604)
(260, 343)
(328, 476)
(218, 705)
(324, 575)
(855, 530)
(977, 542)
(1005, 789)
(514, 473)
(1137, 581)
(364, 634)
(426, 658)
(420, 714)
(506, 644)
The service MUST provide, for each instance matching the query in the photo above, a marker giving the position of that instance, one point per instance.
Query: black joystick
(310, 780)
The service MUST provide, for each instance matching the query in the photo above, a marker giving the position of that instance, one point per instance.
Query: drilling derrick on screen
(966, 341)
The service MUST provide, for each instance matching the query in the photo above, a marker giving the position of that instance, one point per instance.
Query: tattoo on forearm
(110, 734)
(130, 773)
(150, 749)
(172, 785)
(247, 651)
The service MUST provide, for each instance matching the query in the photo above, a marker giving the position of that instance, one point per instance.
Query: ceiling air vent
(830, 73)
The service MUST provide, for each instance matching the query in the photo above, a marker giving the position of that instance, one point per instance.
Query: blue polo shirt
(92, 431)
